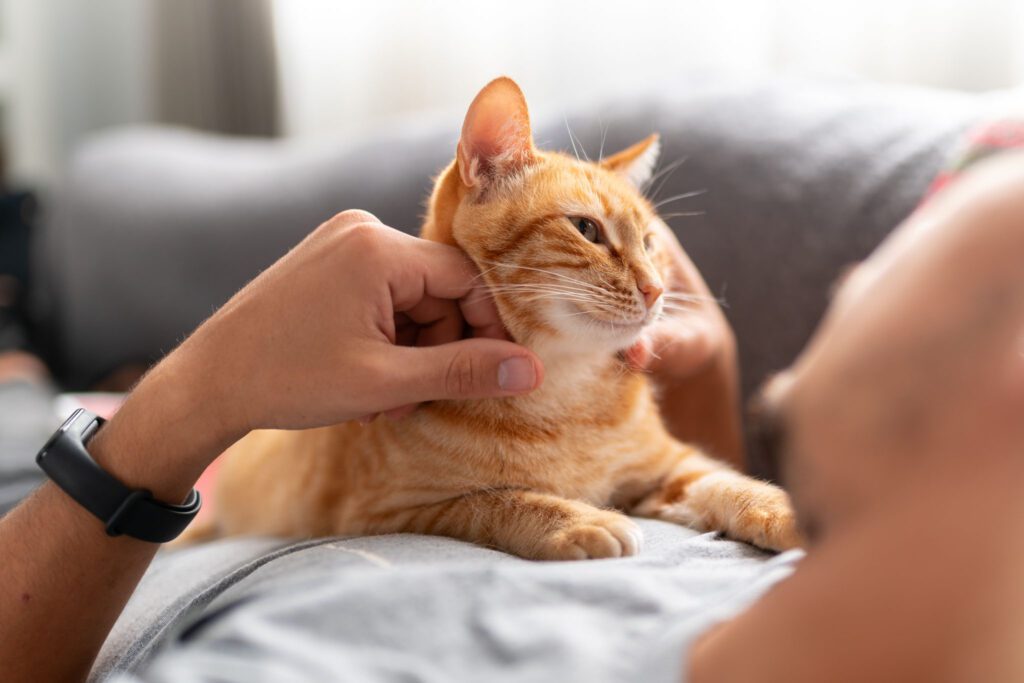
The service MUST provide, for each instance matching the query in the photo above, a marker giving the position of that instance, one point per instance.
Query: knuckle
(364, 233)
(461, 375)
(354, 217)
(352, 225)
(362, 238)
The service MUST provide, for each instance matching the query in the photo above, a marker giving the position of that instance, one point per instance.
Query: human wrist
(167, 431)
(703, 406)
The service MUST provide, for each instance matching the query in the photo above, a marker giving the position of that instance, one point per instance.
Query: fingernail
(516, 374)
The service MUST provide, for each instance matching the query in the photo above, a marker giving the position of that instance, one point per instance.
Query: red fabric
(981, 142)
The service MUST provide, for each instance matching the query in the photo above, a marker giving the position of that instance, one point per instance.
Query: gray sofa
(154, 228)
(151, 229)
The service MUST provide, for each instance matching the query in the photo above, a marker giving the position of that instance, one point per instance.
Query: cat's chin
(568, 331)
(618, 334)
(599, 337)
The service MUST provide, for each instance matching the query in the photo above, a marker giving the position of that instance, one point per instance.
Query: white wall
(347, 65)
(69, 67)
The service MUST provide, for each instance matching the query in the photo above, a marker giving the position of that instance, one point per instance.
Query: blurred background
(156, 154)
(310, 69)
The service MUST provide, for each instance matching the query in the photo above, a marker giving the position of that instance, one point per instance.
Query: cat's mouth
(617, 326)
(625, 327)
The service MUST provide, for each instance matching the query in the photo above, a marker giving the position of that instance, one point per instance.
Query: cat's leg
(711, 496)
(533, 525)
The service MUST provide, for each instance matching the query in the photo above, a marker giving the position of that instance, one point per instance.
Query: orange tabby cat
(563, 246)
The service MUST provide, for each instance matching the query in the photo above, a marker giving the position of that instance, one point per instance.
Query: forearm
(64, 581)
(704, 408)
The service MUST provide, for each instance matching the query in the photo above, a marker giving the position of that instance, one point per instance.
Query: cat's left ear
(496, 138)
(635, 163)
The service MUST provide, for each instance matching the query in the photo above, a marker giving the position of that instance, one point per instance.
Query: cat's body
(602, 444)
(536, 475)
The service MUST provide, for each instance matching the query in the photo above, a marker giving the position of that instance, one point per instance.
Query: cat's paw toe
(605, 536)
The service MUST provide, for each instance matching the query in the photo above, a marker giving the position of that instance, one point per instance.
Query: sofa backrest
(153, 228)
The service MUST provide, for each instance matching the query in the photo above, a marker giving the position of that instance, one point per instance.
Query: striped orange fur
(562, 245)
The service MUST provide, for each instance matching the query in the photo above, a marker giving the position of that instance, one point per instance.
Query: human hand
(918, 367)
(358, 319)
(691, 355)
(315, 339)
(693, 331)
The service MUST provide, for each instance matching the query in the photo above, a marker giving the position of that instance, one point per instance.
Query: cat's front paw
(596, 535)
(767, 520)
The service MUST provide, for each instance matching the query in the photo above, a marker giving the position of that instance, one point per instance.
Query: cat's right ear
(496, 138)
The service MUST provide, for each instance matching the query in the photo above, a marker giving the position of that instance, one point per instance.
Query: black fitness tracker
(132, 512)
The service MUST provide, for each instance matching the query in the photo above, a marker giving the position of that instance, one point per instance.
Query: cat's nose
(651, 293)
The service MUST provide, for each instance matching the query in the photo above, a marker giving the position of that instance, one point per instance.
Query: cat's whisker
(604, 134)
(558, 297)
(664, 174)
(572, 140)
(484, 272)
(547, 272)
(676, 295)
(567, 294)
(685, 299)
(548, 290)
(679, 309)
(589, 319)
(475, 280)
(678, 197)
(679, 214)
(679, 313)
(696, 299)
(549, 285)
(600, 305)
(583, 149)
(562, 288)
(608, 285)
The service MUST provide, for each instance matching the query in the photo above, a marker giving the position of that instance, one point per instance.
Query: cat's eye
(648, 241)
(587, 228)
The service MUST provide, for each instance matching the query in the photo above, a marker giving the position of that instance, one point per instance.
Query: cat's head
(564, 244)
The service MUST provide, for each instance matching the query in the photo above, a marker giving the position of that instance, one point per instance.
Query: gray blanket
(405, 608)
(414, 608)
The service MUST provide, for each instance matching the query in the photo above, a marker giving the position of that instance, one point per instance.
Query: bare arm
(704, 408)
(904, 444)
(64, 580)
(310, 342)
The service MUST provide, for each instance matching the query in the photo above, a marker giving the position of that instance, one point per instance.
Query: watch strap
(123, 510)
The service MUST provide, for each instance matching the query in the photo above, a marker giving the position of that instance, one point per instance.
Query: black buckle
(123, 508)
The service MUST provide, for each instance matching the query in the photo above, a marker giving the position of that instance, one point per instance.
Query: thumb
(471, 368)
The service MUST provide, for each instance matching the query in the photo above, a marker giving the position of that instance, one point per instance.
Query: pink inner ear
(496, 135)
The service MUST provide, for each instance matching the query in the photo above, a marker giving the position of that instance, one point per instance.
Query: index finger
(682, 273)
(480, 311)
(445, 272)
